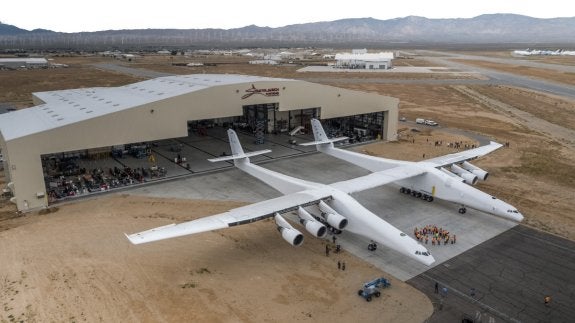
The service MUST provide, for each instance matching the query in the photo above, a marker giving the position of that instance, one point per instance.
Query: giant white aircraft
(332, 207)
(447, 177)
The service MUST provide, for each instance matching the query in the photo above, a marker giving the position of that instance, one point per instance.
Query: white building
(24, 62)
(370, 61)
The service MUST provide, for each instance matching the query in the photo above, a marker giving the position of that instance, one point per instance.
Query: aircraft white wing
(464, 155)
(238, 216)
(378, 179)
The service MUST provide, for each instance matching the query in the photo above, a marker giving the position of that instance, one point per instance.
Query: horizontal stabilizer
(322, 142)
(239, 156)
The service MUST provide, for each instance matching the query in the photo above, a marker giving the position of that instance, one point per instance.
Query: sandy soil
(16, 87)
(79, 257)
(75, 265)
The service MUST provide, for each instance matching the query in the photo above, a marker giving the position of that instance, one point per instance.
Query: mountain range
(366, 32)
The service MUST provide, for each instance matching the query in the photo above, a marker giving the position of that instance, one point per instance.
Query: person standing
(343, 266)
(338, 265)
(436, 288)
(326, 250)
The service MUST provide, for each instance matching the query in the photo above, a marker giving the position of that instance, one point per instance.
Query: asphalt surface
(137, 72)
(511, 272)
(511, 275)
(497, 77)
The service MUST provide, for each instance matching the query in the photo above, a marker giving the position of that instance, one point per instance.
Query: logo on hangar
(272, 91)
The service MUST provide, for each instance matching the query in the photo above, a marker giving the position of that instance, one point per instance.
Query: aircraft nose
(430, 260)
(514, 215)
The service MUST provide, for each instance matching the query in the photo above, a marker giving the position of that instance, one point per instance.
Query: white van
(431, 123)
(420, 120)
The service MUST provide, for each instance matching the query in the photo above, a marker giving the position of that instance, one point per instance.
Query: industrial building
(24, 62)
(96, 121)
(363, 60)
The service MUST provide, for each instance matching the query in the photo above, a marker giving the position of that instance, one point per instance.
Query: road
(496, 77)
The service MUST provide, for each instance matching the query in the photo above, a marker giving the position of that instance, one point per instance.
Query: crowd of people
(434, 234)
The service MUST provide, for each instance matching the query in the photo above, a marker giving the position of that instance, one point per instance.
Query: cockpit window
(402, 234)
(493, 197)
(422, 253)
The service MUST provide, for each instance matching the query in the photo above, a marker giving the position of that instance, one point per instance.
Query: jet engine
(481, 174)
(333, 218)
(289, 234)
(312, 226)
(468, 177)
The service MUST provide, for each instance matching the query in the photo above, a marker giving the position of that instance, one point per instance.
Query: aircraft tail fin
(320, 137)
(237, 150)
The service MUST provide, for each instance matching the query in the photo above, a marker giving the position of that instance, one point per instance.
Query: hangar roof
(24, 60)
(368, 57)
(65, 107)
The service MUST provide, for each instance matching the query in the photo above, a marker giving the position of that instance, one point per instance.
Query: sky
(94, 15)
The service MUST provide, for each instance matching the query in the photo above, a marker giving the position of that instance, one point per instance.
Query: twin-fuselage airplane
(320, 206)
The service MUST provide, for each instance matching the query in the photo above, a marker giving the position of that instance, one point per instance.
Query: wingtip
(129, 238)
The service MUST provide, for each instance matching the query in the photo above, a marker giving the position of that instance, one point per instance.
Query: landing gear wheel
(429, 199)
(418, 195)
(402, 190)
(462, 210)
(359, 292)
(377, 294)
(368, 298)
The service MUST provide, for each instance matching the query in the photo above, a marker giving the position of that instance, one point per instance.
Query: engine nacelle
(289, 234)
(292, 236)
(468, 177)
(481, 174)
(317, 229)
(333, 218)
(311, 225)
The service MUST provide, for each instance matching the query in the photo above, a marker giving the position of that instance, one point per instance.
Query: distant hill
(367, 32)
(8, 30)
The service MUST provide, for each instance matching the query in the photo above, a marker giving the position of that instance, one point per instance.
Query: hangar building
(369, 61)
(24, 62)
(161, 108)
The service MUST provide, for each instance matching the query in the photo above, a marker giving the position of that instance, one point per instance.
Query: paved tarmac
(511, 267)
(511, 275)
(137, 72)
(497, 77)
(402, 211)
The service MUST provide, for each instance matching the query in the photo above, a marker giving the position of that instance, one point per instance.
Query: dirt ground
(16, 87)
(75, 265)
(79, 256)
